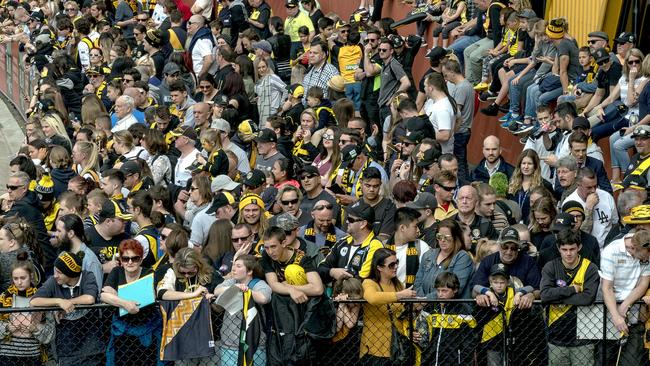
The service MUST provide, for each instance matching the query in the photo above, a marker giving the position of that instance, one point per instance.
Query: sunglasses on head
(289, 202)
(134, 259)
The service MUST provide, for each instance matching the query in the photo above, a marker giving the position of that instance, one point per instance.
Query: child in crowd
(96, 199)
(445, 331)
(217, 161)
(452, 17)
(23, 334)
(322, 107)
(507, 48)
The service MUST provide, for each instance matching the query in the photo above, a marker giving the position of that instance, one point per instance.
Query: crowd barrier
(444, 333)
(16, 80)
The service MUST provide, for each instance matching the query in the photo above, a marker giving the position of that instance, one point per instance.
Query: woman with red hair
(131, 334)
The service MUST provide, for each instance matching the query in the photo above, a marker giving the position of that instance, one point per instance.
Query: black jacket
(29, 208)
(61, 177)
(481, 174)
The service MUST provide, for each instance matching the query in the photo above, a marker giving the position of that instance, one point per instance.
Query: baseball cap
(437, 53)
(348, 154)
(95, 70)
(600, 55)
(527, 14)
(412, 137)
(220, 200)
(221, 99)
(130, 167)
(186, 131)
(599, 34)
(220, 124)
(171, 68)
(341, 23)
(509, 235)
(266, 135)
(38, 15)
(309, 170)
(581, 122)
(423, 200)
(112, 209)
(641, 131)
(499, 269)
(563, 221)
(223, 183)
(254, 178)
(263, 45)
(362, 210)
(296, 90)
(431, 156)
(291, 3)
(626, 37)
(285, 221)
(421, 125)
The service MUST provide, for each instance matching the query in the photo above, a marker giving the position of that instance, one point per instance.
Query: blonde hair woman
(91, 107)
(55, 132)
(190, 276)
(85, 156)
(527, 175)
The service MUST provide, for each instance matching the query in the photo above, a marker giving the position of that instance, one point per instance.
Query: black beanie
(69, 264)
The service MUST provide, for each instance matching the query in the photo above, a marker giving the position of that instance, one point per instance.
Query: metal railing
(442, 333)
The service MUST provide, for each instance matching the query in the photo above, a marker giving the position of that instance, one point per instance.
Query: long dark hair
(457, 237)
(379, 259)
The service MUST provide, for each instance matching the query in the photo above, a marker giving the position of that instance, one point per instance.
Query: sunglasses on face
(448, 189)
(392, 265)
(134, 259)
(633, 62)
(289, 202)
(328, 206)
(592, 41)
(240, 239)
(308, 176)
(384, 49)
(445, 237)
(13, 188)
(352, 220)
(163, 237)
(187, 273)
(93, 76)
(328, 137)
(127, 80)
(513, 248)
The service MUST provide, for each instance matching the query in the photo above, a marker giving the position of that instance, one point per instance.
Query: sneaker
(506, 117)
(482, 86)
(523, 140)
(513, 125)
(523, 128)
(505, 108)
(491, 110)
(487, 95)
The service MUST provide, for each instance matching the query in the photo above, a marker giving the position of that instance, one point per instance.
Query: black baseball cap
(581, 122)
(437, 53)
(112, 209)
(601, 56)
(362, 210)
(412, 137)
(431, 156)
(499, 269)
(254, 178)
(221, 199)
(130, 167)
(563, 221)
(509, 235)
(348, 154)
(626, 37)
(266, 135)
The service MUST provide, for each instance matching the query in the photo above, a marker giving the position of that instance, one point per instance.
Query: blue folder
(140, 291)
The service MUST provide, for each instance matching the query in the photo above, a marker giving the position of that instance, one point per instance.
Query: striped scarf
(412, 261)
(330, 238)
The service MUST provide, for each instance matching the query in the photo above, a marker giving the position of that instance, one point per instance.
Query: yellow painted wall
(586, 16)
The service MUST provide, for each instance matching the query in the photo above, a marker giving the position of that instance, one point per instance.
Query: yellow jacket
(376, 333)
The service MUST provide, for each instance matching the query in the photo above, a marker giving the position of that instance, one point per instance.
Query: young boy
(322, 107)
(446, 333)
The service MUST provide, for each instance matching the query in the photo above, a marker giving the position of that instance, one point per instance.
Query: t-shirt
(463, 94)
(617, 265)
(307, 203)
(523, 268)
(605, 79)
(292, 24)
(202, 48)
(442, 117)
(201, 226)
(115, 279)
(181, 174)
(243, 165)
(265, 164)
(569, 48)
(124, 12)
(390, 81)
(604, 214)
(271, 266)
(103, 248)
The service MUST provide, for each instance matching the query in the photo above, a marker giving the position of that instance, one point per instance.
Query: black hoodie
(61, 177)
(29, 208)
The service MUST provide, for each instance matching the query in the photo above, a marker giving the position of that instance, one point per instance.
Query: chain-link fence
(453, 332)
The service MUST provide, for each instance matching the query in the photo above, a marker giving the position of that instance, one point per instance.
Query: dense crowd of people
(298, 161)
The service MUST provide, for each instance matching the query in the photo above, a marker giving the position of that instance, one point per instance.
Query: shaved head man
(492, 161)
(201, 44)
(202, 115)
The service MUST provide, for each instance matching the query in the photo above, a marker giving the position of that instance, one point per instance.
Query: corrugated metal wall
(586, 16)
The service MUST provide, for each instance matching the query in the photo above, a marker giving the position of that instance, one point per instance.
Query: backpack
(506, 211)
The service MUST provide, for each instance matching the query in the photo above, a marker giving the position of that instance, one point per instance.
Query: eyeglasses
(392, 265)
(513, 248)
(445, 237)
(289, 202)
(190, 23)
(308, 176)
(384, 49)
(328, 137)
(240, 239)
(407, 143)
(633, 62)
(328, 206)
(601, 63)
(344, 31)
(448, 189)
(352, 220)
(144, 20)
(205, 87)
(13, 188)
(134, 259)
(93, 76)
(70, 9)
(187, 273)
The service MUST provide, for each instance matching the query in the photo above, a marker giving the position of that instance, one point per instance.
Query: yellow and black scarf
(330, 237)
(412, 261)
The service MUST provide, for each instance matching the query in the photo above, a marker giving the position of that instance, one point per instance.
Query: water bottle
(634, 119)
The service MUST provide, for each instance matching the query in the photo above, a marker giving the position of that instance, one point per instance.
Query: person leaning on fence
(77, 339)
(625, 276)
(568, 282)
(382, 290)
(348, 319)
(23, 335)
(135, 336)
(246, 275)
(189, 276)
(446, 331)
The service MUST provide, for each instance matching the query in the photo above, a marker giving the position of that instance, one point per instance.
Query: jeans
(460, 44)
(607, 128)
(474, 55)
(515, 91)
(618, 146)
(534, 98)
(461, 140)
(353, 92)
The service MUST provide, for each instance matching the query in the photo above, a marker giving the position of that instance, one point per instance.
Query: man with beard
(321, 230)
(492, 161)
(289, 198)
(70, 235)
(479, 226)
(108, 233)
